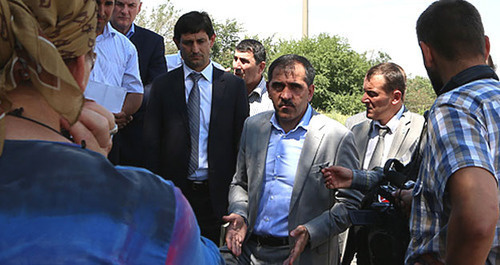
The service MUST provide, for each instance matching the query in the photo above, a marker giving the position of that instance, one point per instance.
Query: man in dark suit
(193, 124)
(151, 51)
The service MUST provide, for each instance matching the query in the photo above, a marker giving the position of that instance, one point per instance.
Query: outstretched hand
(337, 177)
(236, 232)
(301, 236)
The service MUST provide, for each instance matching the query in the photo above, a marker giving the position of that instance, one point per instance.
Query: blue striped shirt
(463, 131)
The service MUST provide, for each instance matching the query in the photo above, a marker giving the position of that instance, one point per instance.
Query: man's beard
(437, 83)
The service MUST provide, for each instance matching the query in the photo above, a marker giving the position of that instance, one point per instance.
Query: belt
(269, 240)
(198, 184)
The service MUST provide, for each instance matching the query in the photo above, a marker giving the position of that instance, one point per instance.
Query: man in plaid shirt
(455, 207)
(454, 218)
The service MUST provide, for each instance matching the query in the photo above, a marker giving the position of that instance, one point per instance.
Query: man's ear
(311, 92)
(139, 7)
(486, 47)
(262, 66)
(177, 43)
(397, 97)
(212, 41)
(427, 54)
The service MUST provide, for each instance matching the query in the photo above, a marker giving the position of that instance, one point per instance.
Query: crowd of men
(202, 165)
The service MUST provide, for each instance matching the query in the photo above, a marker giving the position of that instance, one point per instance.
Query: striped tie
(193, 108)
(378, 152)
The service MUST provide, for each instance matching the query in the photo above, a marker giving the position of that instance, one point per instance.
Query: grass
(335, 115)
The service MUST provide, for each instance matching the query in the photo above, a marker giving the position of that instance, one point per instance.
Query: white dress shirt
(389, 137)
(116, 62)
(259, 99)
(206, 89)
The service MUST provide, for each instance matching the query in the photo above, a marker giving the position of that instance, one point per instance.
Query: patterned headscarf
(47, 32)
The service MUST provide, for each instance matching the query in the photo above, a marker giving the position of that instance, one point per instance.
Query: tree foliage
(419, 94)
(160, 19)
(339, 70)
(227, 36)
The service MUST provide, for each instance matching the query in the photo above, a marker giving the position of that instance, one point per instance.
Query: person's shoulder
(259, 117)
(230, 78)
(146, 180)
(355, 119)
(318, 119)
(173, 74)
(123, 41)
(416, 118)
(147, 33)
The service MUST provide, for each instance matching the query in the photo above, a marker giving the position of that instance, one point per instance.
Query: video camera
(380, 227)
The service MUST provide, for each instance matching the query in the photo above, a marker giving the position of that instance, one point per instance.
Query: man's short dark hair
(394, 75)
(254, 46)
(290, 60)
(453, 28)
(193, 22)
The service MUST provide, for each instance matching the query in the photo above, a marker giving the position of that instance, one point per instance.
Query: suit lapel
(179, 96)
(400, 135)
(260, 142)
(362, 133)
(218, 92)
(307, 157)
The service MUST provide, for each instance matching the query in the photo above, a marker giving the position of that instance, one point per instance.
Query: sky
(368, 25)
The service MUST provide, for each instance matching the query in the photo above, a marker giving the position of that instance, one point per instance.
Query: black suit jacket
(151, 50)
(166, 131)
(127, 145)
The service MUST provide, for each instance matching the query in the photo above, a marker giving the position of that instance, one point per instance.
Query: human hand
(93, 126)
(404, 199)
(301, 236)
(337, 177)
(122, 119)
(236, 232)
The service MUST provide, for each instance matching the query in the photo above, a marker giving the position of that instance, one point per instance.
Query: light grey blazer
(322, 211)
(356, 119)
(405, 138)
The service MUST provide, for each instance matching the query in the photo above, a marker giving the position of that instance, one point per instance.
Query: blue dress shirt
(283, 153)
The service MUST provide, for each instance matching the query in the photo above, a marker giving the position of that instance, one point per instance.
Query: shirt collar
(393, 122)
(260, 88)
(108, 31)
(207, 73)
(304, 122)
(131, 31)
(468, 75)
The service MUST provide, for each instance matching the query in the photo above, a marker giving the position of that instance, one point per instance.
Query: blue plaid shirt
(463, 131)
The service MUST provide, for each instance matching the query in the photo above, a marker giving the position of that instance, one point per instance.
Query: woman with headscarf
(61, 201)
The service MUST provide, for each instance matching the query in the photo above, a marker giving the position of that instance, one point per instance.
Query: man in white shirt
(116, 63)
(390, 131)
(249, 62)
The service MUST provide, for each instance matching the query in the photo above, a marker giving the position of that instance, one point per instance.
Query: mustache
(286, 102)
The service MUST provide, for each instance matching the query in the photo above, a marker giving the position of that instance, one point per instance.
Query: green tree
(339, 70)
(160, 19)
(227, 36)
(419, 94)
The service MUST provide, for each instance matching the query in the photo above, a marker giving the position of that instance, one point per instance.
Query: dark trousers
(198, 196)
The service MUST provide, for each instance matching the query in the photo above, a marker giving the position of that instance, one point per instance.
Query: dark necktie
(378, 152)
(193, 108)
